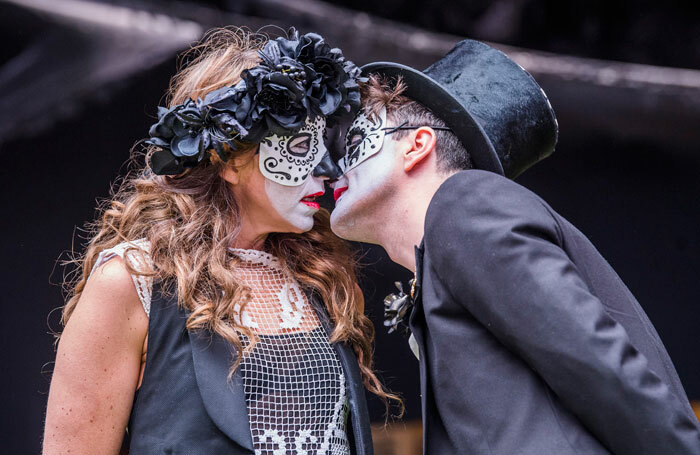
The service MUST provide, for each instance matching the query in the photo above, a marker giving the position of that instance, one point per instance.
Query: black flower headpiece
(299, 77)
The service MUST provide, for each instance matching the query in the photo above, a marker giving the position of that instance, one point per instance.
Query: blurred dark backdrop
(79, 84)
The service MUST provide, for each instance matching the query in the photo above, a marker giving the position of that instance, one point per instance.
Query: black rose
(279, 101)
(187, 131)
(181, 129)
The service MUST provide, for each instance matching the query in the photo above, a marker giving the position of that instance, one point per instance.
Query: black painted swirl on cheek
(271, 163)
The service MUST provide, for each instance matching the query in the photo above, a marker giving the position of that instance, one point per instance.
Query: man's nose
(327, 168)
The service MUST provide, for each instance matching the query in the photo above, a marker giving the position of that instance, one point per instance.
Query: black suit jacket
(529, 341)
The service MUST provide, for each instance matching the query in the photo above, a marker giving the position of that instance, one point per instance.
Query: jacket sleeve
(496, 248)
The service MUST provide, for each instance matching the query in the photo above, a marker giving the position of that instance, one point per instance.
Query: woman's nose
(327, 168)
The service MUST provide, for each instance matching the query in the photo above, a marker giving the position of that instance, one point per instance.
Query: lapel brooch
(397, 306)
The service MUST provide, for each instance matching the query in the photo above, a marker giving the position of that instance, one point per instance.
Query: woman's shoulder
(135, 253)
(113, 279)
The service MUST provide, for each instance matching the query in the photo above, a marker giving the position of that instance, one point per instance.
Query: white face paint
(363, 139)
(289, 160)
(367, 181)
(287, 201)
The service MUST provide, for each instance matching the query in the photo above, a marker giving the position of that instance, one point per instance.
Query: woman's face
(296, 204)
(272, 207)
(276, 189)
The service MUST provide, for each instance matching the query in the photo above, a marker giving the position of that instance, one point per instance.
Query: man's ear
(421, 145)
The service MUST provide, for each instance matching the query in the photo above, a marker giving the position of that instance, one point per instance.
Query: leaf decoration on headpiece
(298, 77)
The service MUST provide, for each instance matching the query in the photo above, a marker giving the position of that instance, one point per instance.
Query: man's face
(368, 165)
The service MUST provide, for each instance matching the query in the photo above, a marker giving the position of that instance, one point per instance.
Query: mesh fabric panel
(293, 379)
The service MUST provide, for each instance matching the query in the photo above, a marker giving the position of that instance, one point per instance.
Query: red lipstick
(309, 200)
(338, 192)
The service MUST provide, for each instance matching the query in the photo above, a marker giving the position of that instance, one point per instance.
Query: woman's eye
(300, 144)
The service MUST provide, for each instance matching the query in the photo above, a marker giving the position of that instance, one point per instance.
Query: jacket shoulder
(474, 200)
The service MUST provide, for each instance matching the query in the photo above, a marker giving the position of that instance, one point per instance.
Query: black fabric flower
(186, 132)
(333, 87)
(298, 77)
(280, 103)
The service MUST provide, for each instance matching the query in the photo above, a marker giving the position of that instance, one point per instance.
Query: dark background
(626, 170)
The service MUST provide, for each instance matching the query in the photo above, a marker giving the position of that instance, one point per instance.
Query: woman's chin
(299, 225)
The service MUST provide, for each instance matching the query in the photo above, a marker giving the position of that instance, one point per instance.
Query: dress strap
(137, 254)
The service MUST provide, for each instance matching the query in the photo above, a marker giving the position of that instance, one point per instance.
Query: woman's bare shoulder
(112, 270)
(113, 279)
(110, 298)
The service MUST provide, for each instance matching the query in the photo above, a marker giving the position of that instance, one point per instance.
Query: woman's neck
(249, 237)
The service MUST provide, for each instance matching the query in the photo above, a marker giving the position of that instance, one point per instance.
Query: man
(529, 343)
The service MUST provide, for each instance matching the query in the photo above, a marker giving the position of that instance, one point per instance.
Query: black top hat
(492, 104)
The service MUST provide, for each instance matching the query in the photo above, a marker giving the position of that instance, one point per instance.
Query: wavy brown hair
(191, 219)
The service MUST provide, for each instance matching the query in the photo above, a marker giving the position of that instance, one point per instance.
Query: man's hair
(381, 91)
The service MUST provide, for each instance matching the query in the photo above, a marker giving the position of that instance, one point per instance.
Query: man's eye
(354, 137)
(355, 140)
(299, 145)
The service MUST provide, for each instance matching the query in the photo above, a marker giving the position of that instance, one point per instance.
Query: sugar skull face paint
(296, 204)
(363, 139)
(289, 160)
(366, 185)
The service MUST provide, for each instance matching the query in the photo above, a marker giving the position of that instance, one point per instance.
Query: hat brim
(432, 95)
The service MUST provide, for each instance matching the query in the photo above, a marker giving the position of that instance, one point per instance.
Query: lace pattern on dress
(293, 380)
(138, 260)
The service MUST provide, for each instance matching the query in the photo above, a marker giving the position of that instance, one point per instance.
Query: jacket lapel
(224, 400)
(416, 316)
(416, 322)
(359, 415)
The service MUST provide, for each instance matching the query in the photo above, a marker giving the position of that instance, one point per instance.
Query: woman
(216, 312)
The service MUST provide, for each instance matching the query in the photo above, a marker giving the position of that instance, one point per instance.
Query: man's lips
(309, 200)
(338, 192)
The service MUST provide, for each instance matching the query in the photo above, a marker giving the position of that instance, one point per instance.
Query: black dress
(290, 394)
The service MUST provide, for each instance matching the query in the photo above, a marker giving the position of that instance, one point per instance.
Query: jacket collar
(416, 322)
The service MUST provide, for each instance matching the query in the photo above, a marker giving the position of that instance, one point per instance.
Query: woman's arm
(97, 366)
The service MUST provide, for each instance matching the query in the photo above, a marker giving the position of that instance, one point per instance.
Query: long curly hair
(191, 219)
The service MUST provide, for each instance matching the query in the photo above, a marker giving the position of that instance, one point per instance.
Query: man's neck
(405, 220)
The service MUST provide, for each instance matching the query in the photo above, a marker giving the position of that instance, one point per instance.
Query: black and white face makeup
(287, 163)
(363, 139)
(368, 165)
(289, 160)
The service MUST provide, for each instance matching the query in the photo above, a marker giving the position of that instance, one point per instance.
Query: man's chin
(342, 223)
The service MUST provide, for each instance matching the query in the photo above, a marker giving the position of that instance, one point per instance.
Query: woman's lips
(315, 205)
(339, 192)
(309, 200)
